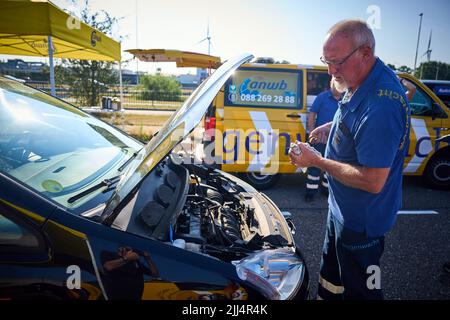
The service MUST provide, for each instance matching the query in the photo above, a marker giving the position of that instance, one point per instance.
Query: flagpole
(418, 38)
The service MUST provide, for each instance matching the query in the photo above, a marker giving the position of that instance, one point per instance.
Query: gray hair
(355, 29)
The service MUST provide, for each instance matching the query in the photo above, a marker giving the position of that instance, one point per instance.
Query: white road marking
(417, 212)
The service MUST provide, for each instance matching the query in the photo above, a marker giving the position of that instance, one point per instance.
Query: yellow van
(260, 111)
(263, 107)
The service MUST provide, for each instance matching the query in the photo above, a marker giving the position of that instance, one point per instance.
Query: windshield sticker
(250, 88)
(52, 186)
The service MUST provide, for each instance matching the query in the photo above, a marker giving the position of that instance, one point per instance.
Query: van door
(262, 113)
(425, 129)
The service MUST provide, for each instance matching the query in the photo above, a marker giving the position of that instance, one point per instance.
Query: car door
(426, 127)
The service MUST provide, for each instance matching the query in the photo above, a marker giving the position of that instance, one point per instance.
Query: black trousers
(313, 175)
(350, 266)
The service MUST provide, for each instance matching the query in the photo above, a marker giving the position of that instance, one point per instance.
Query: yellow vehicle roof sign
(182, 58)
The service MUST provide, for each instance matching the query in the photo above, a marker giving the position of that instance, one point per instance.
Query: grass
(157, 106)
(142, 127)
(136, 119)
(142, 135)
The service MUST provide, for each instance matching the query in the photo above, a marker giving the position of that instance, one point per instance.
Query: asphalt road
(415, 249)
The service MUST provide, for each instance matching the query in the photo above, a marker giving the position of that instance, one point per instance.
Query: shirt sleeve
(380, 132)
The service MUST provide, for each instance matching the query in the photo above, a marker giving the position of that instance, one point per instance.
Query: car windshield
(55, 148)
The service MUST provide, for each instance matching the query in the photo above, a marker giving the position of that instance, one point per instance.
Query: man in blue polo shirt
(366, 144)
(322, 111)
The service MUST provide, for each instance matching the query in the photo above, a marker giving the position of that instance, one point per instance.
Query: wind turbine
(208, 37)
(428, 52)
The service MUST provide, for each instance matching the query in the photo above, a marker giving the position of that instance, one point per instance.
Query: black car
(87, 212)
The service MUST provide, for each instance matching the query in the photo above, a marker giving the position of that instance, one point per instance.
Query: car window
(55, 148)
(443, 92)
(317, 82)
(421, 104)
(19, 240)
(12, 234)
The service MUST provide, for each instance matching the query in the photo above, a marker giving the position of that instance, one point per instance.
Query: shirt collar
(354, 101)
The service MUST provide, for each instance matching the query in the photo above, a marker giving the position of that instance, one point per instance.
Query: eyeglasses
(340, 63)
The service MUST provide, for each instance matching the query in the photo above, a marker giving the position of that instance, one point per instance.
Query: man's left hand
(309, 157)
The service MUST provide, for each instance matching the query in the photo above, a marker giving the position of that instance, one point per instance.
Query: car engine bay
(205, 208)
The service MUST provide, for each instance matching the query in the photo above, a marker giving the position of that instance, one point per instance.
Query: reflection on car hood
(177, 128)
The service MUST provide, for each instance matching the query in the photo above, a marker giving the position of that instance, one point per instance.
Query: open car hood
(176, 129)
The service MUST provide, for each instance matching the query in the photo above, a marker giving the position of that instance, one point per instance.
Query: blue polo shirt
(370, 129)
(325, 105)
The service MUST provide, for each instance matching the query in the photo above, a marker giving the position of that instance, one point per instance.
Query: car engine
(219, 218)
(206, 210)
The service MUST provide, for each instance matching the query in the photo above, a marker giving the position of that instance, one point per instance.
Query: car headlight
(278, 273)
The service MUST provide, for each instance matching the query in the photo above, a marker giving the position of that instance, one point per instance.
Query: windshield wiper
(104, 183)
(129, 160)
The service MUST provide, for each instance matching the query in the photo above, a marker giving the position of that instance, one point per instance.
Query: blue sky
(290, 30)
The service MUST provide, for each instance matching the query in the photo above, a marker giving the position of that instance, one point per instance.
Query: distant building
(202, 74)
(15, 65)
(36, 72)
(188, 81)
(192, 81)
(129, 77)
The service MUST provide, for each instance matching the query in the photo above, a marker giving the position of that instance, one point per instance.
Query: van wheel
(437, 172)
(260, 181)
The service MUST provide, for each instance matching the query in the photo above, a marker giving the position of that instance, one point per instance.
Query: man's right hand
(320, 134)
(131, 256)
(128, 254)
